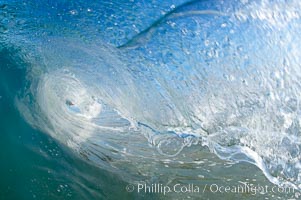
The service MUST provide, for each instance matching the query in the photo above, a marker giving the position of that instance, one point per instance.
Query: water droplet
(223, 25)
(73, 12)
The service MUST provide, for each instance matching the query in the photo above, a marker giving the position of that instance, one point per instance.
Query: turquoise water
(128, 99)
(35, 166)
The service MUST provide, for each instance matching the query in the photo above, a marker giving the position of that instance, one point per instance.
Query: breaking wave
(207, 73)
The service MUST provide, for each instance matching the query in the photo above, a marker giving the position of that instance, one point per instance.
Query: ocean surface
(136, 99)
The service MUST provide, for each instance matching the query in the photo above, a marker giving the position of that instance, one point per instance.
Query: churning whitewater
(220, 74)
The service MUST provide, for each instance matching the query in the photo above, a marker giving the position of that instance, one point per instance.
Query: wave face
(220, 74)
